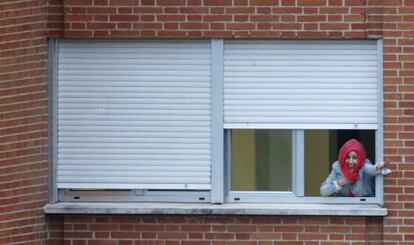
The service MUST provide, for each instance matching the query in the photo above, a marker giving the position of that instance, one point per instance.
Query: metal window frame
(264, 196)
(220, 169)
(130, 195)
(52, 110)
(217, 133)
(379, 137)
(298, 181)
(297, 195)
(299, 163)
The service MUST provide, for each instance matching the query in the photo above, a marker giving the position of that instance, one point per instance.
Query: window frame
(298, 168)
(298, 181)
(220, 192)
(57, 195)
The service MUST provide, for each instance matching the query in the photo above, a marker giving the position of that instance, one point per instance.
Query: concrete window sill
(210, 209)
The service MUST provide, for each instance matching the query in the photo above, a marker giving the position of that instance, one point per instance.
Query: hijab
(352, 145)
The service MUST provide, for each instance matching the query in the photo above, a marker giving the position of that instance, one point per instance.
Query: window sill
(223, 209)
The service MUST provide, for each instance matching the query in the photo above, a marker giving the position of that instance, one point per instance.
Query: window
(134, 116)
(321, 150)
(211, 121)
(308, 91)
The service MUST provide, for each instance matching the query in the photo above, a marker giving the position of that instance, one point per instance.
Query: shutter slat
(115, 185)
(73, 163)
(115, 138)
(138, 157)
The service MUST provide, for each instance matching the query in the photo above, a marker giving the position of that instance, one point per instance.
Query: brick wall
(218, 230)
(23, 122)
(398, 118)
(222, 18)
(23, 96)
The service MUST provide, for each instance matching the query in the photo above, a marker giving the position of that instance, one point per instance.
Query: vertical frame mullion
(379, 135)
(298, 160)
(217, 135)
(227, 162)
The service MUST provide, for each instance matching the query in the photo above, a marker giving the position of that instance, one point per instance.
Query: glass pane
(261, 160)
(321, 151)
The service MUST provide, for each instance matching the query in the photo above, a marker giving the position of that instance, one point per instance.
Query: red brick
(102, 242)
(171, 227)
(311, 18)
(79, 234)
(245, 10)
(125, 242)
(241, 228)
(194, 26)
(125, 235)
(313, 236)
(217, 34)
(354, 3)
(241, 2)
(147, 18)
(172, 235)
(128, 18)
(335, 229)
(148, 10)
(241, 243)
(124, 2)
(153, 242)
(101, 10)
(287, 10)
(312, 2)
(217, 2)
(334, 26)
(201, 242)
(193, 10)
(288, 228)
(266, 236)
(311, 10)
(171, 26)
(170, 18)
(216, 18)
(194, 18)
(283, 26)
(263, 2)
(240, 26)
(78, 2)
(147, 2)
(195, 228)
(219, 236)
(102, 234)
(335, 2)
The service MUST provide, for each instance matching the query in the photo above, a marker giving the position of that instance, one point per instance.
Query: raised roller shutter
(300, 84)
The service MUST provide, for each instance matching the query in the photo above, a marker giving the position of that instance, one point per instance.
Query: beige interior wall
(316, 160)
(243, 161)
(271, 170)
(280, 161)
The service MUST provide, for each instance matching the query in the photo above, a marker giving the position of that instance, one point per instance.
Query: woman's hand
(381, 166)
(343, 181)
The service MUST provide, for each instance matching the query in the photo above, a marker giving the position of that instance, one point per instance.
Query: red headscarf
(352, 145)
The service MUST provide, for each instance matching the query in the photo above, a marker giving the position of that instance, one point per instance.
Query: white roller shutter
(134, 115)
(300, 84)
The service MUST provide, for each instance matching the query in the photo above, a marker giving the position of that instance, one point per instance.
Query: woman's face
(351, 159)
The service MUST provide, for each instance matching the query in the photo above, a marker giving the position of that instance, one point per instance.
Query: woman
(353, 174)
